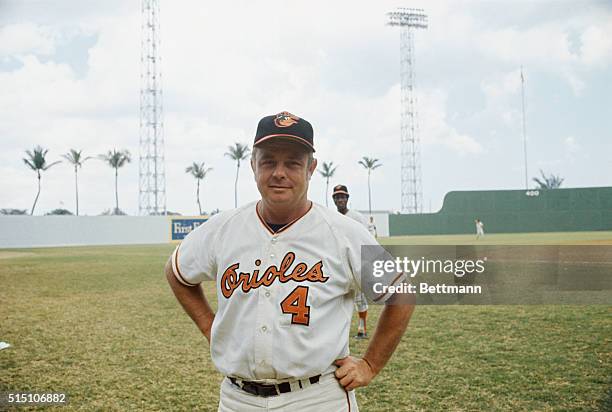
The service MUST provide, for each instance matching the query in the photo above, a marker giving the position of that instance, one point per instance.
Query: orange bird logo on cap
(285, 119)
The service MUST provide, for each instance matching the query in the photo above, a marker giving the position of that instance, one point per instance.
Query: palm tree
(37, 161)
(548, 182)
(370, 164)
(237, 152)
(198, 171)
(13, 212)
(116, 159)
(327, 172)
(76, 159)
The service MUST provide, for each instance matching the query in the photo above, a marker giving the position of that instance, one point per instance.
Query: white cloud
(540, 45)
(435, 128)
(26, 38)
(596, 47)
(502, 85)
(548, 47)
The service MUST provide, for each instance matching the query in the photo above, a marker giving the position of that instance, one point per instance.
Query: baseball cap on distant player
(340, 190)
(284, 125)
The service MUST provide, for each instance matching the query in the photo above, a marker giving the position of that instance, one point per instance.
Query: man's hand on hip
(353, 372)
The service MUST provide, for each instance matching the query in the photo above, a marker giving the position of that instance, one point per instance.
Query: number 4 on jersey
(295, 305)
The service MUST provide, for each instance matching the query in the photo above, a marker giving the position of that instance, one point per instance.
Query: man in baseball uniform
(479, 228)
(372, 227)
(285, 271)
(341, 196)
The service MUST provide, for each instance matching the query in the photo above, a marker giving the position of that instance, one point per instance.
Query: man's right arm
(192, 299)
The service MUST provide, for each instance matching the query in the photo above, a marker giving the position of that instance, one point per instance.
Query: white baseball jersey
(358, 217)
(361, 303)
(285, 299)
(372, 229)
(479, 228)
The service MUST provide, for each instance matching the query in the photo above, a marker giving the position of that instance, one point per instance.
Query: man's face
(282, 172)
(340, 200)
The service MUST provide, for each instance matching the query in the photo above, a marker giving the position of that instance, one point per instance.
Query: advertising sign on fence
(180, 226)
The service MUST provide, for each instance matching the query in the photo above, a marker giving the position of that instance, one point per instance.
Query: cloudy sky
(70, 78)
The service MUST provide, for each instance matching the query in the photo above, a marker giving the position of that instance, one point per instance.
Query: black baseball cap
(340, 190)
(285, 125)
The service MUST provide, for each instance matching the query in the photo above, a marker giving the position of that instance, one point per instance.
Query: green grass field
(100, 324)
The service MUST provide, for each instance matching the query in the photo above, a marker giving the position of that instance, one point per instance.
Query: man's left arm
(354, 372)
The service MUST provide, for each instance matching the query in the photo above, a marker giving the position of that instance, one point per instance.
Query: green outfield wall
(513, 211)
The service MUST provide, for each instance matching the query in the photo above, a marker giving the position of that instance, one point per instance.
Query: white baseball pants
(361, 303)
(326, 395)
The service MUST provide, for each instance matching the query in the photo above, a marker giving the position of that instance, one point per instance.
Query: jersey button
(272, 255)
(267, 294)
(264, 328)
(273, 240)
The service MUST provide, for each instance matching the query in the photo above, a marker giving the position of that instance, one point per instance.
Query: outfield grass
(100, 324)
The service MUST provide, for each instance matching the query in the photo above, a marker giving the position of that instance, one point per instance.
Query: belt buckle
(265, 391)
(258, 389)
(250, 388)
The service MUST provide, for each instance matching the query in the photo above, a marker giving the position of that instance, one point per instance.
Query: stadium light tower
(151, 176)
(408, 20)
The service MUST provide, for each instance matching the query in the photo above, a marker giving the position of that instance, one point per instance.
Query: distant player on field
(341, 196)
(372, 227)
(479, 228)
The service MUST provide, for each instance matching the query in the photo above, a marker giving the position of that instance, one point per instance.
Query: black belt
(263, 390)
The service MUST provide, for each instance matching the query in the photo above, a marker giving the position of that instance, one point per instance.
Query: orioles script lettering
(232, 280)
